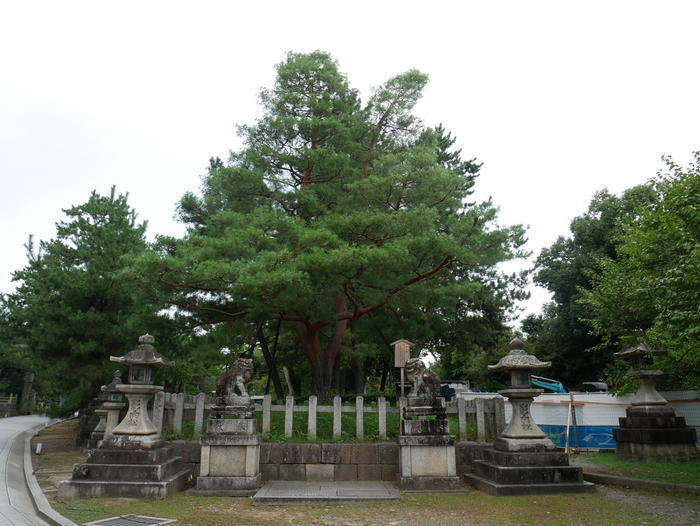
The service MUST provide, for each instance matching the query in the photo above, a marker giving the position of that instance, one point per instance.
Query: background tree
(560, 333)
(653, 285)
(333, 210)
(73, 308)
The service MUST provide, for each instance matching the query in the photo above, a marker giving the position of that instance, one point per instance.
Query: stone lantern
(523, 461)
(136, 431)
(132, 460)
(651, 430)
(522, 431)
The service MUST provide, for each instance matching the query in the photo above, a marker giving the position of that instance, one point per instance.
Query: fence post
(267, 410)
(179, 412)
(360, 417)
(288, 416)
(382, 417)
(480, 420)
(337, 408)
(199, 414)
(158, 408)
(311, 428)
(499, 413)
(462, 418)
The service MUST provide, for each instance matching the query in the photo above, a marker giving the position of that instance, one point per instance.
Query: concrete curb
(43, 508)
(616, 480)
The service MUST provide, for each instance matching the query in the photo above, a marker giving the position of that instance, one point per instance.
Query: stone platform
(155, 473)
(654, 434)
(527, 473)
(331, 493)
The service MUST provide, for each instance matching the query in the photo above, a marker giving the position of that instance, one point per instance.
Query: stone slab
(319, 472)
(345, 472)
(290, 453)
(226, 486)
(431, 484)
(325, 493)
(369, 472)
(493, 488)
(73, 489)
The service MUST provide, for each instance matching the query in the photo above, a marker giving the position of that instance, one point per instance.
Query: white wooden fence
(172, 410)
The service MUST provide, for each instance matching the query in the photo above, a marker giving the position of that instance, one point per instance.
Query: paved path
(16, 508)
(289, 492)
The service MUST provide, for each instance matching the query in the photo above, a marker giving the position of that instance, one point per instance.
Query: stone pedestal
(154, 473)
(651, 431)
(230, 459)
(427, 452)
(523, 460)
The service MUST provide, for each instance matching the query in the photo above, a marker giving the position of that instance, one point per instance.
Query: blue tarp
(596, 437)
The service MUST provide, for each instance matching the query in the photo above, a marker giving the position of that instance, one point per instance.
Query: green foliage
(336, 210)
(653, 285)
(72, 308)
(560, 333)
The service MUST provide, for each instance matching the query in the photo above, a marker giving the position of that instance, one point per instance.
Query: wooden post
(179, 412)
(267, 410)
(311, 431)
(462, 418)
(480, 420)
(288, 416)
(337, 412)
(199, 414)
(382, 417)
(360, 418)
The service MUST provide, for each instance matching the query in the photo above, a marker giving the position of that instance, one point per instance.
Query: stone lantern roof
(518, 359)
(641, 349)
(143, 354)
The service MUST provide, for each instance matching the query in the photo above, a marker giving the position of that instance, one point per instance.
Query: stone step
(82, 489)
(127, 472)
(656, 436)
(325, 493)
(123, 456)
(528, 474)
(652, 422)
(494, 488)
(515, 458)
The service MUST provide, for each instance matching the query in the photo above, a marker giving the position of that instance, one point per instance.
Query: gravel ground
(661, 507)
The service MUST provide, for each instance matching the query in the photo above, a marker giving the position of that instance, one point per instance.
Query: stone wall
(332, 462)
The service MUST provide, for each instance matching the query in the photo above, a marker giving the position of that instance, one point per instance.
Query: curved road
(16, 507)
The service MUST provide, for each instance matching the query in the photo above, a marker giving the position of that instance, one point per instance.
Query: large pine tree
(331, 211)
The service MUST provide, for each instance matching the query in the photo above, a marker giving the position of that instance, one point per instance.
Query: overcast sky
(557, 99)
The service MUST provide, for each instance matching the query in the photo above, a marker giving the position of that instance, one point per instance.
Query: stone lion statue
(238, 374)
(423, 382)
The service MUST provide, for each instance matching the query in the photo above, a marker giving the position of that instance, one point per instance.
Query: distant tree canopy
(566, 268)
(74, 306)
(652, 287)
(630, 267)
(338, 211)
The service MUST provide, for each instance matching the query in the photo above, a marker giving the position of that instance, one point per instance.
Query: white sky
(557, 99)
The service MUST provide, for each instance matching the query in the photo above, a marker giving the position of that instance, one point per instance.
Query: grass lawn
(677, 472)
(324, 428)
(432, 509)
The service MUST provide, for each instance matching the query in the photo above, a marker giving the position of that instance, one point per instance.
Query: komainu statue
(233, 381)
(424, 382)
